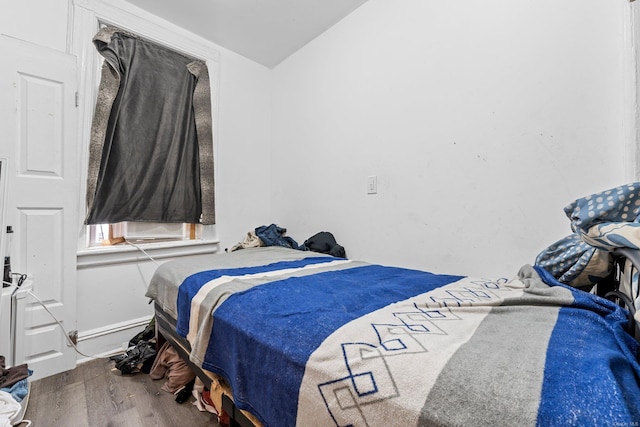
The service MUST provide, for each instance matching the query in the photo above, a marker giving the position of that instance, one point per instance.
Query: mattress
(306, 339)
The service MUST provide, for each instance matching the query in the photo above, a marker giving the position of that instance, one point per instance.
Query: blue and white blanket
(320, 341)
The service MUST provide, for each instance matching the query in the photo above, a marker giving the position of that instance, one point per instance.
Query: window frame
(112, 234)
(88, 17)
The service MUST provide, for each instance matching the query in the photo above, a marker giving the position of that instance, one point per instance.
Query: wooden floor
(96, 394)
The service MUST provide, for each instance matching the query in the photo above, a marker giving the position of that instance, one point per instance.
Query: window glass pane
(100, 234)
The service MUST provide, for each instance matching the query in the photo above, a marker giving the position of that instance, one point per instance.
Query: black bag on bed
(325, 243)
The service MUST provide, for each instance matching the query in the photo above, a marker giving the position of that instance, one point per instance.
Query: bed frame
(165, 332)
(609, 289)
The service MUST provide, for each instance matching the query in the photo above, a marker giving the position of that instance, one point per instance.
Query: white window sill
(125, 253)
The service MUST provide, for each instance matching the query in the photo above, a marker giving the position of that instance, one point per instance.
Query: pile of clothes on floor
(14, 393)
(140, 354)
(165, 363)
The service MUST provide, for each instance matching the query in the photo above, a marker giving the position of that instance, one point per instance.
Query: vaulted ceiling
(266, 31)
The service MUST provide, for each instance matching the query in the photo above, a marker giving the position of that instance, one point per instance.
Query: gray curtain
(151, 151)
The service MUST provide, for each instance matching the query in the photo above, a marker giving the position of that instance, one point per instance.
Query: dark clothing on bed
(325, 243)
(272, 235)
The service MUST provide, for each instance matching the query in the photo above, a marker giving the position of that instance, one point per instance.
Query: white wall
(482, 120)
(243, 197)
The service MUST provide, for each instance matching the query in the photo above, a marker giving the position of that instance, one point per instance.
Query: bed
(301, 338)
(296, 338)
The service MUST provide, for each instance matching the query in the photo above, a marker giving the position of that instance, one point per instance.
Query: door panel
(38, 120)
(41, 131)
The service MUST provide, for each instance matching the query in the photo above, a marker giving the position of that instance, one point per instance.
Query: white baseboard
(108, 340)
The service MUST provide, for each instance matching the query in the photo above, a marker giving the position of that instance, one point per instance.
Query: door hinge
(77, 99)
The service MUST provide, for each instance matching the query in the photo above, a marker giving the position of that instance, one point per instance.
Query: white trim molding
(129, 17)
(110, 339)
(110, 329)
(123, 253)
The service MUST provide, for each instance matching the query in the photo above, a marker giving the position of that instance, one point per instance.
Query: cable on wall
(143, 251)
(66, 334)
(20, 281)
(21, 277)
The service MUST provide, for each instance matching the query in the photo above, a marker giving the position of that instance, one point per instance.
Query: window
(89, 17)
(141, 232)
(153, 167)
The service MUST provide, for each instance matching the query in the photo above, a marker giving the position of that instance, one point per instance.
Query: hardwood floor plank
(58, 382)
(128, 418)
(55, 408)
(96, 394)
(105, 396)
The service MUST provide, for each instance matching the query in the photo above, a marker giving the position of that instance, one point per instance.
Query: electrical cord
(148, 256)
(22, 277)
(66, 334)
(143, 251)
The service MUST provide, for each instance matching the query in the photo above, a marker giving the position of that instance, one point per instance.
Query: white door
(38, 119)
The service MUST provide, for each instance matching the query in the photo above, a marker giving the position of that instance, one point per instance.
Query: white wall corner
(630, 67)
